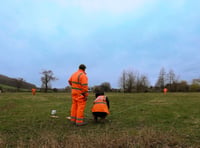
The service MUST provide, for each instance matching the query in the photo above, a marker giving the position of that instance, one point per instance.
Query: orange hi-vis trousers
(77, 109)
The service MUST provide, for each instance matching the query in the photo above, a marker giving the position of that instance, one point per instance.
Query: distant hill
(14, 82)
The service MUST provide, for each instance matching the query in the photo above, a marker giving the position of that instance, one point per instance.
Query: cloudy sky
(108, 36)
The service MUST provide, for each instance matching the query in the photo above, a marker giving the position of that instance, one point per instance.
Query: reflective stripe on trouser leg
(80, 110)
(79, 121)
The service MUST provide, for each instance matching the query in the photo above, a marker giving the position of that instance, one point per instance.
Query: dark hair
(82, 66)
(99, 94)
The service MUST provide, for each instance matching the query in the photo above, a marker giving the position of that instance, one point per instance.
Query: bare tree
(131, 81)
(127, 81)
(172, 81)
(170, 76)
(122, 80)
(161, 82)
(142, 83)
(47, 77)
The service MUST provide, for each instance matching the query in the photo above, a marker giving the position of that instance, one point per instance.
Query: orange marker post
(33, 91)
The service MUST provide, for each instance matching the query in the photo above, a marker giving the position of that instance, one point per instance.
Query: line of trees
(172, 82)
(131, 81)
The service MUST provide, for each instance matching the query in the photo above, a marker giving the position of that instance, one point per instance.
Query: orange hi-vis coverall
(79, 86)
(165, 90)
(100, 105)
(33, 91)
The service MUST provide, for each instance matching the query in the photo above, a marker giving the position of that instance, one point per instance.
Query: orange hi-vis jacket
(100, 105)
(79, 83)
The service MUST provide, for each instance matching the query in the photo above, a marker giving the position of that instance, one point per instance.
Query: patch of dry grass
(143, 138)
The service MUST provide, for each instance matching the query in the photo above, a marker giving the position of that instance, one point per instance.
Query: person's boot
(81, 124)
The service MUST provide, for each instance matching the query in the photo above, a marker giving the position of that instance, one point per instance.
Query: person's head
(82, 66)
(99, 94)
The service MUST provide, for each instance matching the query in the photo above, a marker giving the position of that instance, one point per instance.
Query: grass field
(136, 120)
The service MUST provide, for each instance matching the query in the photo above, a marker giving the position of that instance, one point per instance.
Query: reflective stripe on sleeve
(76, 88)
(75, 82)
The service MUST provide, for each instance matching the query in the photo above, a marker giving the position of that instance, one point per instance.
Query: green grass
(136, 120)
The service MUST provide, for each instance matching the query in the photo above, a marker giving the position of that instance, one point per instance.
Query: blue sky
(108, 36)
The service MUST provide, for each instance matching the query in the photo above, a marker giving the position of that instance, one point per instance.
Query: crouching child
(100, 107)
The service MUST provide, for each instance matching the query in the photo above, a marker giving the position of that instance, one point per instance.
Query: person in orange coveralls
(33, 91)
(79, 91)
(165, 90)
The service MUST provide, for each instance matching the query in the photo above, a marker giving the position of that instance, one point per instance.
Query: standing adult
(165, 90)
(79, 92)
